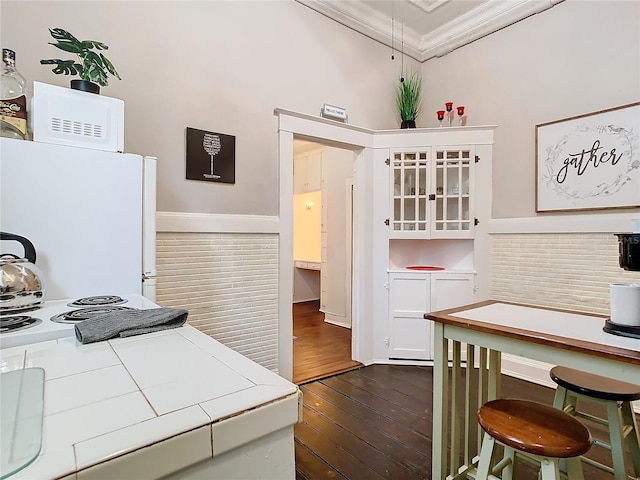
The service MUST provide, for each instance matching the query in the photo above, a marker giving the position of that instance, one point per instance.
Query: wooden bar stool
(616, 397)
(539, 431)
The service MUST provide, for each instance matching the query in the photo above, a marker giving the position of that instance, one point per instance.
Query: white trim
(477, 23)
(215, 223)
(285, 255)
(593, 223)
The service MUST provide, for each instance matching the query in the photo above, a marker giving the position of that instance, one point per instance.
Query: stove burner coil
(97, 300)
(75, 316)
(13, 323)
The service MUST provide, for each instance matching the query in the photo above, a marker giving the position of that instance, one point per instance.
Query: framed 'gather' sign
(589, 162)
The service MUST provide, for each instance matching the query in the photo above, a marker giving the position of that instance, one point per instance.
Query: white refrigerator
(90, 215)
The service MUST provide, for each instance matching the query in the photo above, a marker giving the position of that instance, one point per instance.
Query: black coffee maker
(629, 259)
(629, 249)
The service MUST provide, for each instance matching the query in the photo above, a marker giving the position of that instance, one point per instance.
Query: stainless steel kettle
(21, 282)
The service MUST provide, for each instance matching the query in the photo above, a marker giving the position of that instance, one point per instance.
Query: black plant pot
(408, 124)
(85, 86)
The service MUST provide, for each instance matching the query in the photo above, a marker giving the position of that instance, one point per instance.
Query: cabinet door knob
(432, 196)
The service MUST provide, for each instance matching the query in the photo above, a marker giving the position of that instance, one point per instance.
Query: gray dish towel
(127, 323)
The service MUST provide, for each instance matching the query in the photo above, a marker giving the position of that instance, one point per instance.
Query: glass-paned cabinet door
(453, 185)
(410, 180)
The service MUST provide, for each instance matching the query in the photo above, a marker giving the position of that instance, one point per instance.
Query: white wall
(221, 66)
(575, 58)
(306, 244)
(307, 209)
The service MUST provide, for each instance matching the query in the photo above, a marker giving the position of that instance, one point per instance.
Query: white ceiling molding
(428, 6)
(477, 23)
(371, 23)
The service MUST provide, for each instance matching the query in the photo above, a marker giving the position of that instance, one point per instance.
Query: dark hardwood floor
(375, 423)
(320, 349)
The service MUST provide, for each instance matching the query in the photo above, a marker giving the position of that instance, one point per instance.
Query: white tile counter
(157, 404)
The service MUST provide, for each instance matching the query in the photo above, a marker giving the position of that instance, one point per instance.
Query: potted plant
(93, 67)
(409, 99)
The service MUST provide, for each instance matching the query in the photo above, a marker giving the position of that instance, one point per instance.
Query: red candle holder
(440, 114)
(449, 107)
(460, 113)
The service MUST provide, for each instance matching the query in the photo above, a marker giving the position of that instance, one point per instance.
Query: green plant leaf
(60, 34)
(93, 57)
(109, 66)
(63, 67)
(97, 75)
(68, 47)
(89, 44)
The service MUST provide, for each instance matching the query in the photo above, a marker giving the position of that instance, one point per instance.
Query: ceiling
(424, 29)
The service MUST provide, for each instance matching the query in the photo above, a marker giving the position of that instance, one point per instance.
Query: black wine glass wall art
(211, 156)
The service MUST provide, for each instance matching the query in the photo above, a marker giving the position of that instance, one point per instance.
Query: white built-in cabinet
(432, 192)
(307, 172)
(431, 222)
(411, 295)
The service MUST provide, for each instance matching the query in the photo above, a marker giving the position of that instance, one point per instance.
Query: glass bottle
(13, 98)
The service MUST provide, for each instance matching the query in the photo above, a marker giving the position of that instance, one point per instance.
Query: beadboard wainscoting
(224, 270)
(565, 262)
(571, 271)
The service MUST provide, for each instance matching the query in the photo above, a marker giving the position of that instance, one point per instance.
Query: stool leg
(633, 442)
(509, 470)
(486, 453)
(615, 434)
(563, 400)
(574, 469)
(560, 397)
(550, 469)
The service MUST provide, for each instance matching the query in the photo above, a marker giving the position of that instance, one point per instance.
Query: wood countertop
(564, 329)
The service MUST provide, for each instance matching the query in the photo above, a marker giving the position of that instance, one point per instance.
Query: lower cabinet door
(410, 334)
(411, 295)
(411, 338)
(450, 290)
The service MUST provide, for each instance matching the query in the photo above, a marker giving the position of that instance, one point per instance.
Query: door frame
(359, 140)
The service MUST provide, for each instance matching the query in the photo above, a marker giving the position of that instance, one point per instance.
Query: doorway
(322, 253)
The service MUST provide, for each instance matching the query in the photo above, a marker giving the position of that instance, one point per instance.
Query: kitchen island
(478, 334)
(171, 404)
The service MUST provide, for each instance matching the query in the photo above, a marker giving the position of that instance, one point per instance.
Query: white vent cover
(80, 119)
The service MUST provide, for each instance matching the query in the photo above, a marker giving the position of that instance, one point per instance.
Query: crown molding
(477, 23)
(370, 23)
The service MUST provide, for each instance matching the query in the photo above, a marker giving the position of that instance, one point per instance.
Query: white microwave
(79, 119)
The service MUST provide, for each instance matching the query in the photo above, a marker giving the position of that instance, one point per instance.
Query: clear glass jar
(13, 98)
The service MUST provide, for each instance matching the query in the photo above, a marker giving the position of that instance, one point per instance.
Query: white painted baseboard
(526, 369)
(310, 299)
(329, 319)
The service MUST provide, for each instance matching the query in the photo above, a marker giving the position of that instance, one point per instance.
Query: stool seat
(534, 428)
(595, 386)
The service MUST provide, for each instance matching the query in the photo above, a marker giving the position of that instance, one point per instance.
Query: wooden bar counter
(477, 335)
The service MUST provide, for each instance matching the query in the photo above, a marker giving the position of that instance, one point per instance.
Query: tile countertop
(108, 399)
